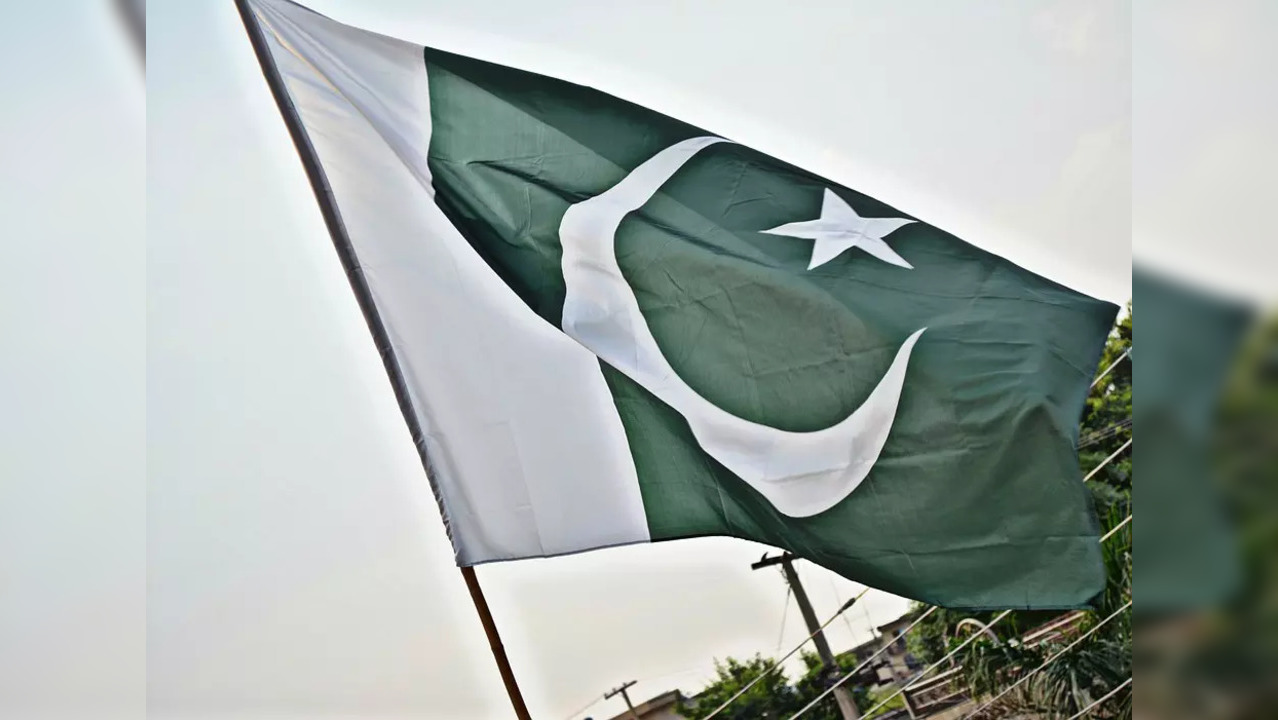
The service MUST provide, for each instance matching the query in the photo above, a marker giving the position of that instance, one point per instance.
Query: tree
(817, 678)
(1083, 674)
(774, 697)
(1103, 661)
(1107, 417)
(771, 697)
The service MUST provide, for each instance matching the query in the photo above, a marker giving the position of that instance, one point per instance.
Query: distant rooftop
(649, 708)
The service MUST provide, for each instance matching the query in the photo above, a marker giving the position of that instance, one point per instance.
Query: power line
(785, 610)
(912, 625)
(787, 656)
(1103, 434)
(1102, 699)
(1047, 662)
(1106, 461)
(932, 609)
(844, 699)
(584, 708)
(874, 632)
(700, 669)
(839, 598)
(1116, 528)
(912, 681)
(1112, 365)
(864, 662)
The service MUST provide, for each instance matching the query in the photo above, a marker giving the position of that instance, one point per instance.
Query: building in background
(662, 707)
(939, 697)
(898, 663)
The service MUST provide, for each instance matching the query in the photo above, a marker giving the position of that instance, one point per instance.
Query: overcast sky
(296, 565)
(72, 363)
(297, 562)
(208, 498)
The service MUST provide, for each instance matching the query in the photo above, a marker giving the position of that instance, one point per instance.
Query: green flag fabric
(608, 326)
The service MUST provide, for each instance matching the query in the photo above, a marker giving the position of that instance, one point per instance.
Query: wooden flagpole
(494, 643)
(354, 274)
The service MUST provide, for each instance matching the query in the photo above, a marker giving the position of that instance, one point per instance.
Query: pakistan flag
(607, 326)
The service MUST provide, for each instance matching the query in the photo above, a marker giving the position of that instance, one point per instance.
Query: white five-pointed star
(840, 228)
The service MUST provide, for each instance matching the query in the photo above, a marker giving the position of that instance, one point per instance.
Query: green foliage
(1106, 423)
(1085, 673)
(1063, 688)
(772, 697)
(876, 696)
(1103, 660)
(816, 678)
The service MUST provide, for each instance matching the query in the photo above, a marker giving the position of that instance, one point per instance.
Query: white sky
(295, 564)
(296, 559)
(72, 363)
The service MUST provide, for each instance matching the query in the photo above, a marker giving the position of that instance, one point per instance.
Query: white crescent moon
(800, 473)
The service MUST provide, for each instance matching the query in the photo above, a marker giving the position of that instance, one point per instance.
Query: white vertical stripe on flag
(528, 452)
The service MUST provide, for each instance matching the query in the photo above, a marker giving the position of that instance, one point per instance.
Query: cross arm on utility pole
(621, 690)
(847, 706)
(766, 561)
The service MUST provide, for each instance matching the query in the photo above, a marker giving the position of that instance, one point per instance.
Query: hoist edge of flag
(479, 446)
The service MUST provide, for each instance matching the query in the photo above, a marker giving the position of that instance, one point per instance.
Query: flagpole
(354, 274)
(494, 643)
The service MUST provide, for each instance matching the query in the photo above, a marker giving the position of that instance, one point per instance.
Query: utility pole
(842, 694)
(624, 696)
